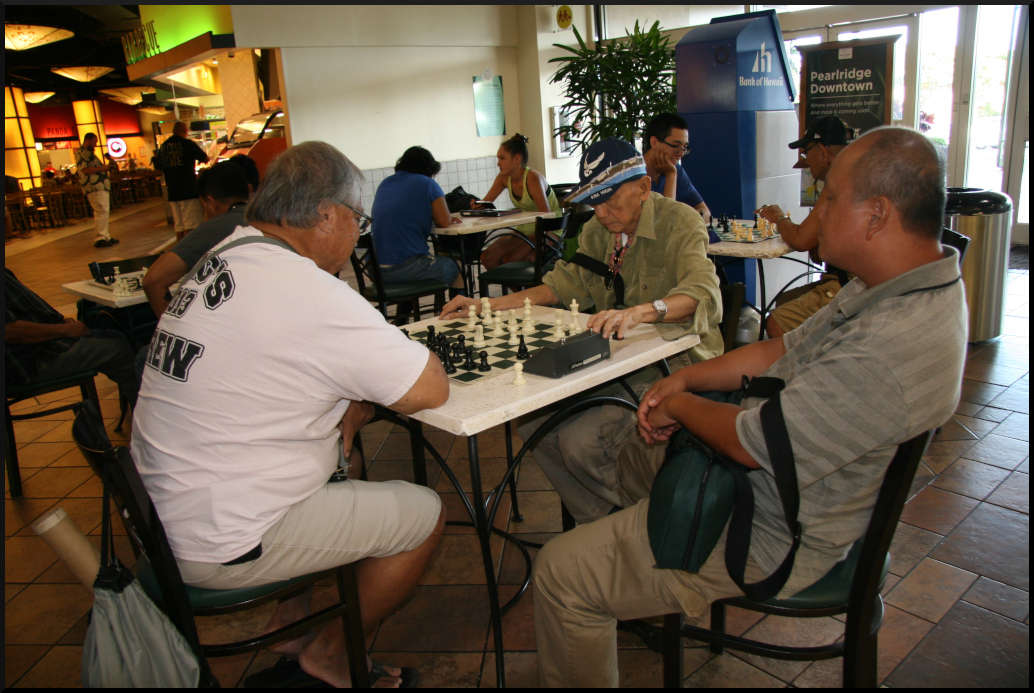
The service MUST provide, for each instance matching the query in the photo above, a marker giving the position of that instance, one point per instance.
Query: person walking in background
(177, 157)
(93, 178)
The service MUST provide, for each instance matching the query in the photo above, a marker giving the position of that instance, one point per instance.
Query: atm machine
(735, 92)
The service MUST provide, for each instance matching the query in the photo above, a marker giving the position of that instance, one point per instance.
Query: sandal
(408, 675)
(286, 673)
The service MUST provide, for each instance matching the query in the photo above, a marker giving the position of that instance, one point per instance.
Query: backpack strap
(780, 453)
(247, 240)
(602, 269)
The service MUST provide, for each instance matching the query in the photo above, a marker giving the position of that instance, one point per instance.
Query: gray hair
(903, 166)
(299, 181)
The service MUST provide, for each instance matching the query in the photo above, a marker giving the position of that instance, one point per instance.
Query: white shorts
(186, 215)
(341, 523)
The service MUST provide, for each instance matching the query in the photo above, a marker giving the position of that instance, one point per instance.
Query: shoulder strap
(233, 244)
(602, 269)
(780, 453)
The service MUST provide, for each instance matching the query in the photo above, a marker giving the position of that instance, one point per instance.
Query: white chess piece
(472, 317)
(559, 333)
(479, 336)
(497, 330)
(513, 336)
(518, 374)
(574, 307)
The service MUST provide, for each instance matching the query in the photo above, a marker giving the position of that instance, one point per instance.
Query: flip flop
(410, 677)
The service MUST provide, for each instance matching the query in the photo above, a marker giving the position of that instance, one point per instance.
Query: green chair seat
(833, 588)
(403, 290)
(204, 599)
(510, 273)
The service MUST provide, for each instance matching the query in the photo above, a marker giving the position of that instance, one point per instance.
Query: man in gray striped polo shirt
(877, 366)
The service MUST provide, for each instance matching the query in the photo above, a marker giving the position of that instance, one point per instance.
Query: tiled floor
(957, 598)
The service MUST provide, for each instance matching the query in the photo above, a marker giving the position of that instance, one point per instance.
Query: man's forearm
(712, 422)
(541, 295)
(27, 332)
(726, 372)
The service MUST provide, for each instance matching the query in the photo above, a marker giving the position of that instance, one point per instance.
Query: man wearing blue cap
(641, 259)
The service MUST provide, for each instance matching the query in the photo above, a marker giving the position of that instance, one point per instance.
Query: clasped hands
(654, 419)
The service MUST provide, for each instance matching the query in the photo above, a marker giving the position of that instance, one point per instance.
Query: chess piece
(574, 307)
(472, 317)
(513, 335)
(522, 349)
(469, 363)
(484, 367)
(527, 327)
(560, 334)
(518, 374)
(479, 336)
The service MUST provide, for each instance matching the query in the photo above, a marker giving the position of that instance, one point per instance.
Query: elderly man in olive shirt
(657, 247)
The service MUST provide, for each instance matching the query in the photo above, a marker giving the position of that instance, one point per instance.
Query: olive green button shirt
(668, 256)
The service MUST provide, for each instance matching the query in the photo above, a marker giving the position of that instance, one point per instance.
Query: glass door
(903, 102)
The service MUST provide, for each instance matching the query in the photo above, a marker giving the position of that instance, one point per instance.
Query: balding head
(901, 165)
(179, 129)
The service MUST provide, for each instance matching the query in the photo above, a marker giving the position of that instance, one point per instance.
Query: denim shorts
(421, 267)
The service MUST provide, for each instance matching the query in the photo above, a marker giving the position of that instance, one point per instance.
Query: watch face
(660, 306)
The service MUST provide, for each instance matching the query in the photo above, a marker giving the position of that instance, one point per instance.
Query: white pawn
(472, 317)
(479, 336)
(560, 335)
(498, 331)
(513, 336)
(574, 307)
(518, 374)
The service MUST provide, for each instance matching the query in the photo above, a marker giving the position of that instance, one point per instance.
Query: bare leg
(384, 584)
(287, 612)
(507, 249)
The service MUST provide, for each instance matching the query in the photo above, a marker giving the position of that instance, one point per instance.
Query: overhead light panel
(84, 73)
(21, 37)
(130, 96)
(37, 96)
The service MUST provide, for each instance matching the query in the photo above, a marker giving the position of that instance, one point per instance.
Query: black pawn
(522, 349)
(469, 363)
(430, 332)
(484, 367)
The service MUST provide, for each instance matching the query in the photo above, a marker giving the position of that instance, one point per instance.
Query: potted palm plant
(614, 87)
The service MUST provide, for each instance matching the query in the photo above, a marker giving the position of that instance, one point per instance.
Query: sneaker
(101, 243)
(112, 241)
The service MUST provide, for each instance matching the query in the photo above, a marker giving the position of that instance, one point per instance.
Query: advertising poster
(848, 79)
(488, 106)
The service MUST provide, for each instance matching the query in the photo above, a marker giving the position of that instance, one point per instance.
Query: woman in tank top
(528, 191)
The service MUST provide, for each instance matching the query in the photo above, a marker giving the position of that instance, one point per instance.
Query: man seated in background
(882, 363)
(223, 191)
(257, 379)
(665, 142)
(41, 344)
(819, 146)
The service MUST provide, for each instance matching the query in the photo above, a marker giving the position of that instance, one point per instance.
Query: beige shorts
(792, 313)
(341, 523)
(186, 215)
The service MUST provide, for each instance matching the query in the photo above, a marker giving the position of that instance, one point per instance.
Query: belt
(248, 557)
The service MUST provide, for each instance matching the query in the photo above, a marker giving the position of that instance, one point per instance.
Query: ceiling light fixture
(130, 96)
(37, 96)
(85, 73)
(21, 37)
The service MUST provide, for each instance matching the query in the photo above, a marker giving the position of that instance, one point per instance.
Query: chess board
(501, 356)
(755, 234)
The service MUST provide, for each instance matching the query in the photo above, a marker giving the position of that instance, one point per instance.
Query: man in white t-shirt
(261, 365)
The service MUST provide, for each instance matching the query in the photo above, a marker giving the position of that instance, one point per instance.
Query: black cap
(828, 130)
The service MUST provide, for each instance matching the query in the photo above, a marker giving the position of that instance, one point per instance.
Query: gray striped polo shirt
(868, 371)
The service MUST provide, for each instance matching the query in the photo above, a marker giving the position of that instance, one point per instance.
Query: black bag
(697, 490)
(459, 199)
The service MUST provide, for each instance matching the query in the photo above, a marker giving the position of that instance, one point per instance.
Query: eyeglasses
(678, 146)
(364, 222)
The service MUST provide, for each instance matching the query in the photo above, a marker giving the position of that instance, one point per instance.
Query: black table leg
(484, 530)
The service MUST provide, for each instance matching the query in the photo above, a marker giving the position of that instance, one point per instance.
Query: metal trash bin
(986, 217)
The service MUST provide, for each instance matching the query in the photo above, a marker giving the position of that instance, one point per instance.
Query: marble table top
(492, 400)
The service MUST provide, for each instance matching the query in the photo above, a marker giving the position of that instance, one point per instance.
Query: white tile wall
(475, 175)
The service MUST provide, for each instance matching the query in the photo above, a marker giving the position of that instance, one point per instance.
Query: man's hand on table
(457, 307)
(619, 322)
(74, 328)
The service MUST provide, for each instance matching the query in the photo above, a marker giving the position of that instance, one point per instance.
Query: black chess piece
(469, 363)
(430, 331)
(450, 367)
(484, 367)
(522, 349)
(461, 341)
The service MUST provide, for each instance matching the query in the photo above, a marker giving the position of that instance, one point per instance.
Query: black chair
(159, 574)
(733, 296)
(549, 247)
(408, 294)
(956, 240)
(17, 393)
(851, 586)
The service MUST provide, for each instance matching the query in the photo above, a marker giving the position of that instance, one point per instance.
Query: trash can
(985, 216)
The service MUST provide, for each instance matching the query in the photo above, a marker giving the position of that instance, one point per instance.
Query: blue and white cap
(604, 167)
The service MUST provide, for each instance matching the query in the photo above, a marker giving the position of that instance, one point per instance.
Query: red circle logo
(116, 147)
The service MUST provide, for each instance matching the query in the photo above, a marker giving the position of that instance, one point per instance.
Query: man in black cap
(818, 148)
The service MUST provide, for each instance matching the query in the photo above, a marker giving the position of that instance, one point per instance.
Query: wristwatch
(662, 309)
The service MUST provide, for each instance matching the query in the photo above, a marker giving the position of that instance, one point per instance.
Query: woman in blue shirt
(406, 207)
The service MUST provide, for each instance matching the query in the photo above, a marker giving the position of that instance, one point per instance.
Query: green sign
(488, 106)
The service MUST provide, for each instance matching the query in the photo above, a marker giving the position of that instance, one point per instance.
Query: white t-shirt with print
(248, 375)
